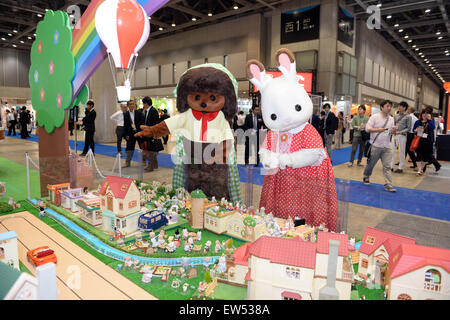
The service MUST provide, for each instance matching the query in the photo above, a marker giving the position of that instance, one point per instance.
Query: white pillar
(46, 275)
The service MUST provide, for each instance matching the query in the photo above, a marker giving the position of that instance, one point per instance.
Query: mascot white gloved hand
(293, 155)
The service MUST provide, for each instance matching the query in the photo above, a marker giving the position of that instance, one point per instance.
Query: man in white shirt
(119, 120)
(381, 128)
(410, 136)
(11, 123)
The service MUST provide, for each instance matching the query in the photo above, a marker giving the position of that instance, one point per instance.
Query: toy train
(152, 220)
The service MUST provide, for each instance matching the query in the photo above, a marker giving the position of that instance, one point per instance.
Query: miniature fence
(113, 253)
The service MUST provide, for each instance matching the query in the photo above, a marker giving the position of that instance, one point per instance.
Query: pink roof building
(118, 185)
(419, 273)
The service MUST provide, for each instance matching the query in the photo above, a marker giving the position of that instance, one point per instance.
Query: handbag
(368, 147)
(416, 140)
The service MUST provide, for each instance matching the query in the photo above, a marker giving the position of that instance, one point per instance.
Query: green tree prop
(207, 276)
(230, 243)
(52, 70)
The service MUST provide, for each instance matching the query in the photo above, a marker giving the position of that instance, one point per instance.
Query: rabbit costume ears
(257, 73)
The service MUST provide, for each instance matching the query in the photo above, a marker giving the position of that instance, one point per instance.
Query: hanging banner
(300, 25)
(346, 27)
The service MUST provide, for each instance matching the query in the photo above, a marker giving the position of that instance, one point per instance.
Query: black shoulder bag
(368, 147)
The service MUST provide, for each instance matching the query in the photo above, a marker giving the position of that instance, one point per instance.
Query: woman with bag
(422, 143)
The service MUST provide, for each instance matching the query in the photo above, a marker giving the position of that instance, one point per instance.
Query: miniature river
(115, 253)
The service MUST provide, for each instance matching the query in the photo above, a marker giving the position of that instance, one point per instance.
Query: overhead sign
(304, 78)
(346, 27)
(300, 25)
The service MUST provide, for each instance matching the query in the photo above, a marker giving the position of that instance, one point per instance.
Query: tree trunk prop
(54, 156)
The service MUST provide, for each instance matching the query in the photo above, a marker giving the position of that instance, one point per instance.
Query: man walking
(359, 126)
(253, 125)
(410, 136)
(163, 117)
(403, 123)
(150, 146)
(132, 124)
(118, 118)
(381, 128)
(330, 126)
(89, 128)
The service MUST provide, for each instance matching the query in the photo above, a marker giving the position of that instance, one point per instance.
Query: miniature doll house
(8, 249)
(216, 219)
(54, 192)
(90, 210)
(418, 273)
(238, 267)
(120, 204)
(70, 197)
(15, 285)
(376, 248)
(281, 268)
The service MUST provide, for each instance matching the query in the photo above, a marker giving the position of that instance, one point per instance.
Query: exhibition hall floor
(419, 209)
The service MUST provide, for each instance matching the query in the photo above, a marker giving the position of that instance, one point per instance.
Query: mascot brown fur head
(207, 80)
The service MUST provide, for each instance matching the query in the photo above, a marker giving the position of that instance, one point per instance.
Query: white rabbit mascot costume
(299, 179)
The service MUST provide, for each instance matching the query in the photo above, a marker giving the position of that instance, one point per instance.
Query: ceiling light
(414, 46)
(401, 30)
(235, 7)
(34, 34)
(396, 25)
(160, 28)
(39, 15)
(447, 54)
(194, 19)
(3, 39)
(406, 37)
(30, 38)
(379, 5)
(409, 41)
(417, 49)
(14, 46)
(440, 38)
(21, 41)
(9, 34)
(149, 18)
(15, 31)
(388, 17)
(174, 25)
(428, 10)
(446, 51)
(210, 14)
(438, 33)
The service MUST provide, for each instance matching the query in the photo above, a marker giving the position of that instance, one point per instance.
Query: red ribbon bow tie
(205, 117)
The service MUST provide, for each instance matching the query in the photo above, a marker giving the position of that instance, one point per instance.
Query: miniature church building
(120, 204)
(8, 249)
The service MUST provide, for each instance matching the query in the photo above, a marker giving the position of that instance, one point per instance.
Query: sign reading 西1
(300, 25)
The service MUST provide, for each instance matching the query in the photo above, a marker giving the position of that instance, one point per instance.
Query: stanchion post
(119, 165)
(140, 166)
(28, 175)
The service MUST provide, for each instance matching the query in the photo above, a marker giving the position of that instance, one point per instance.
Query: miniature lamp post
(197, 208)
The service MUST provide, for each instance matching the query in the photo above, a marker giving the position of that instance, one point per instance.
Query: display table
(443, 147)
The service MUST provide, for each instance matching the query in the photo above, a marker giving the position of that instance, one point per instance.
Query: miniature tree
(50, 78)
(207, 276)
(249, 223)
(230, 243)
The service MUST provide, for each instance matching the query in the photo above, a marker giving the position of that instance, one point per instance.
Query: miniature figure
(191, 242)
(207, 246)
(185, 287)
(11, 202)
(187, 246)
(206, 263)
(128, 263)
(175, 284)
(177, 234)
(222, 265)
(182, 272)
(199, 235)
(136, 263)
(171, 246)
(185, 233)
(41, 212)
(218, 247)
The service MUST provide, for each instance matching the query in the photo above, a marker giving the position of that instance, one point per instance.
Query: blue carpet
(417, 202)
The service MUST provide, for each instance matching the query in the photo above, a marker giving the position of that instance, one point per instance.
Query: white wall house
(8, 249)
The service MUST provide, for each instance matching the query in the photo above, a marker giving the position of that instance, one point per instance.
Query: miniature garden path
(97, 280)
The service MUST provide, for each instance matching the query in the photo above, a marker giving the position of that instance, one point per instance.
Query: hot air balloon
(123, 27)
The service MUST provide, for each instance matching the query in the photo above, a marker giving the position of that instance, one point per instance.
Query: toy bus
(152, 220)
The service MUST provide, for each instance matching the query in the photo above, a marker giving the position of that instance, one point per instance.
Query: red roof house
(292, 252)
(241, 254)
(119, 186)
(374, 238)
(323, 239)
(410, 257)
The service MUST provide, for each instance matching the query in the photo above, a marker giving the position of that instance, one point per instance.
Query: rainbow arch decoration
(88, 49)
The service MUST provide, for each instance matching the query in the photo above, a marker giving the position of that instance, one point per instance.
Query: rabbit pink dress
(308, 192)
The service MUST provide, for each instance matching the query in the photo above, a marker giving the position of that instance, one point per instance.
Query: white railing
(432, 286)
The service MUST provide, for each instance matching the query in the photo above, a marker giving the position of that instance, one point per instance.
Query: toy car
(152, 220)
(41, 255)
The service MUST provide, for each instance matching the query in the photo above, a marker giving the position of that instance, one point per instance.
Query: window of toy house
(118, 223)
(124, 223)
(293, 273)
(364, 263)
(120, 205)
(370, 240)
(2, 253)
(432, 280)
(132, 204)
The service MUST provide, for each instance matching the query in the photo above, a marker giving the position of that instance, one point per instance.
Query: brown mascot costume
(205, 158)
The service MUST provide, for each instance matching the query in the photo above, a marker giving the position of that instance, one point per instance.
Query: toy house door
(110, 204)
